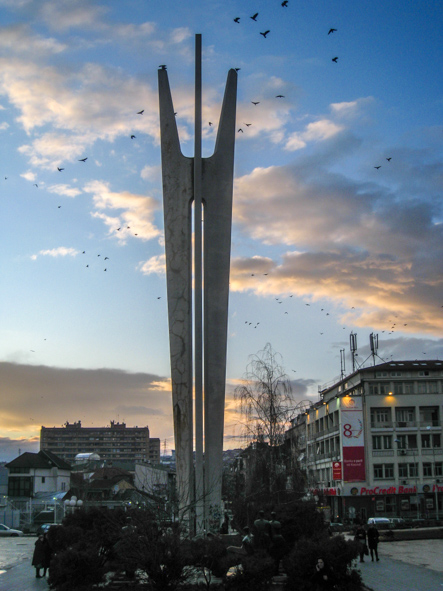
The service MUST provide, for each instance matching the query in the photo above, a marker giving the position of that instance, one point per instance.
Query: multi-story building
(373, 442)
(117, 442)
(33, 473)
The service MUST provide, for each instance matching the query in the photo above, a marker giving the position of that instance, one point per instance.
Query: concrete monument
(197, 198)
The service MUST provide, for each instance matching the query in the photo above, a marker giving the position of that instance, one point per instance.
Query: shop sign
(336, 470)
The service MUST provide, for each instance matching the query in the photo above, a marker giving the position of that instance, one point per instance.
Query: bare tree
(265, 397)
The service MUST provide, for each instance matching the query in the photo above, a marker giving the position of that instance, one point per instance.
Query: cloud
(51, 396)
(64, 190)
(61, 251)
(356, 242)
(316, 131)
(155, 265)
(136, 211)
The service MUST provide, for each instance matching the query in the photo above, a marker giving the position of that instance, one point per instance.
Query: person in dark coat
(323, 577)
(373, 537)
(47, 554)
(360, 537)
(38, 558)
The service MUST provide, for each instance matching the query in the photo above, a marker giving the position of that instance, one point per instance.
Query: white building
(374, 442)
(32, 473)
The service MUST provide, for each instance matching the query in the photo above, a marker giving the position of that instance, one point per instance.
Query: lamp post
(399, 445)
(435, 484)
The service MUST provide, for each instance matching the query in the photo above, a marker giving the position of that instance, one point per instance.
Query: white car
(380, 522)
(7, 531)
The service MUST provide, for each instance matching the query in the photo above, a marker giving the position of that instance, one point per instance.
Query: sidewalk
(21, 577)
(394, 575)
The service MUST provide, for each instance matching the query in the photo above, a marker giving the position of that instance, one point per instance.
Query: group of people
(266, 535)
(42, 556)
(368, 542)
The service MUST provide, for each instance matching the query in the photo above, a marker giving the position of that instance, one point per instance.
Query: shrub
(255, 574)
(337, 552)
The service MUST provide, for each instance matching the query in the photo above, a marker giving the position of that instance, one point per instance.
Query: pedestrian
(47, 554)
(323, 577)
(224, 529)
(360, 537)
(38, 558)
(373, 538)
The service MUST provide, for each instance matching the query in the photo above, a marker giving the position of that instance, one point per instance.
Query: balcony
(382, 453)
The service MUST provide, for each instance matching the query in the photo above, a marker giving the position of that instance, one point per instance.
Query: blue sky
(323, 242)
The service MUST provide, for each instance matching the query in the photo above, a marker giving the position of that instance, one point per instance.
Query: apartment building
(116, 442)
(372, 444)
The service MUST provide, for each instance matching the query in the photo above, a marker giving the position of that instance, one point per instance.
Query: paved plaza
(404, 566)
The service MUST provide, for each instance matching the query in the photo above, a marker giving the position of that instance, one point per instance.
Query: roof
(388, 366)
(42, 459)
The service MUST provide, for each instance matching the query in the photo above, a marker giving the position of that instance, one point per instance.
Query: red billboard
(353, 447)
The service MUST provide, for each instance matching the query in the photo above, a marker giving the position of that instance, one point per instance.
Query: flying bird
(284, 3)
(237, 69)
(210, 123)
(60, 169)
(82, 159)
(377, 167)
(331, 31)
(35, 185)
(334, 59)
(237, 19)
(280, 96)
(106, 258)
(257, 103)
(254, 16)
(248, 124)
(132, 137)
(389, 159)
(265, 33)
(240, 130)
(140, 112)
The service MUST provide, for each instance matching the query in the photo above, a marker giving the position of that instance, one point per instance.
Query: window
(429, 416)
(382, 442)
(427, 469)
(383, 471)
(380, 416)
(407, 470)
(404, 416)
(389, 470)
(429, 440)
(378, 470)
(63, 486)
(43, 479)
(20, 487)
(381, 388)
(407, 441)
(404, 388)
(438, 468)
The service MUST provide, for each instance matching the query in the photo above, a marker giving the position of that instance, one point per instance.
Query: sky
(337, 209)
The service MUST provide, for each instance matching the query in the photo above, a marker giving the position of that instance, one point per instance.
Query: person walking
(360, 537)
(373, 537)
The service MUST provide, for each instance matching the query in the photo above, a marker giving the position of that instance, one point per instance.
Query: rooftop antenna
(342, 363)
(373, 341)
(353, 345)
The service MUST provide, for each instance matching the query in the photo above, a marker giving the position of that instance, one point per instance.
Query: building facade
(31, 474)
(372, 444)
(116, 442)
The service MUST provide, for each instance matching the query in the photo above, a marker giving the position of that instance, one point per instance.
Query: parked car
(397, 522)
(7, 531)
(380, 522)
(336, 527)
(43, 528)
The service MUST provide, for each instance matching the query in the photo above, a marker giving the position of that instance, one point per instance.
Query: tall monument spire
(198, 188)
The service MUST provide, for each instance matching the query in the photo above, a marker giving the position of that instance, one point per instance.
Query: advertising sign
(336, 470)
(353, 439)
